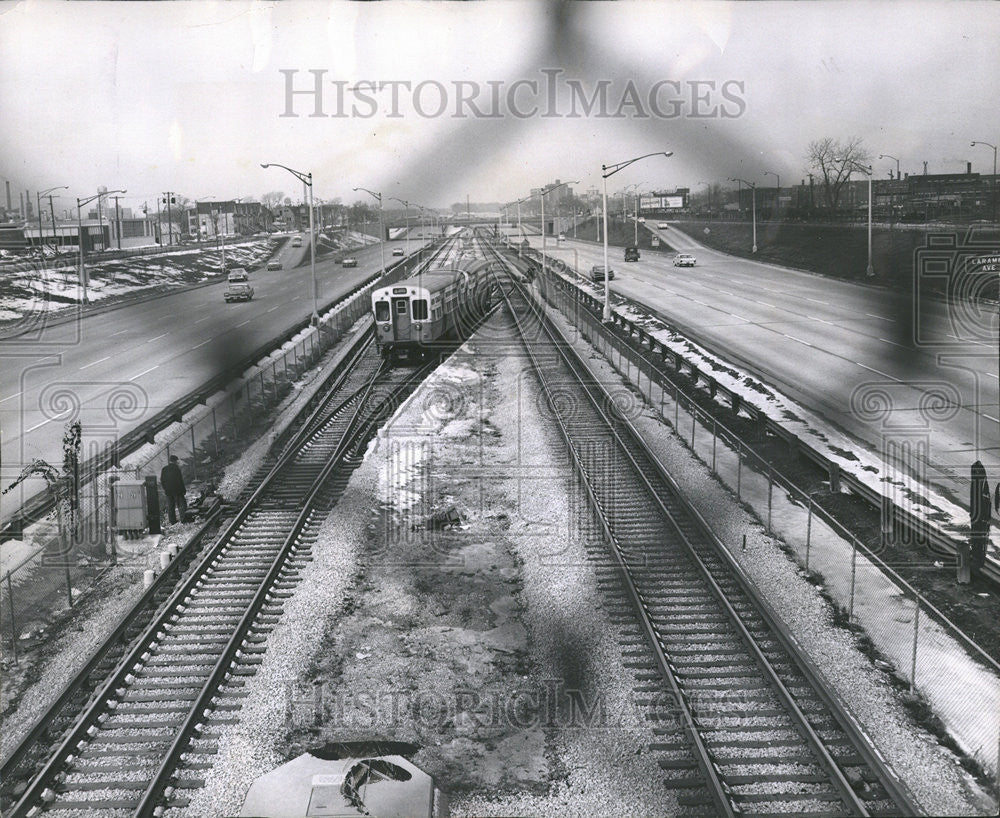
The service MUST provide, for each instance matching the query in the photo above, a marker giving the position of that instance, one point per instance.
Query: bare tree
(272, 199)
(834, 162)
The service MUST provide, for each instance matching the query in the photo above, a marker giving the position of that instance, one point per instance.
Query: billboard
(661, 202)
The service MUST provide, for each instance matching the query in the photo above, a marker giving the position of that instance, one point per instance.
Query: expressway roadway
(840, 348)
(116, 369)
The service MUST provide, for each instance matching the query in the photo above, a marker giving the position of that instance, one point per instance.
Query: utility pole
(55, 237)
(168, 199)
(159, 225)
(118, 224)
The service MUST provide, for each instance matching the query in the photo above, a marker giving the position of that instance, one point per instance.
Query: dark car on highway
(350, 261)
(631, 254)
(597, 273)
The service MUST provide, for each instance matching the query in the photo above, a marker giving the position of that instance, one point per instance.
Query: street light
(606, 171)
(867, 171)
(79, 228)
(777, 188)
(307, 180)
(38, 199)
(988, 145)
(405, 204)
(381, 222)
(542, 197)
(753, 189)
(890, 156)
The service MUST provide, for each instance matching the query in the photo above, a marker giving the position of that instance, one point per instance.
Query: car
(238, 291)
(597, 273)
(641, 220)
(684, 260)
(562, 237)
(237, 274)
(297, 241)
(662, 225)
(274, 265)
(398, 251)
(631, 254)
(349, 261)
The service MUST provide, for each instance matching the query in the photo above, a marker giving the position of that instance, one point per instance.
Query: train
(417, 315)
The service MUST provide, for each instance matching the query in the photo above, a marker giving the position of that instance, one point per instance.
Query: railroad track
(136, 729)
(181, 681)
(744, 723)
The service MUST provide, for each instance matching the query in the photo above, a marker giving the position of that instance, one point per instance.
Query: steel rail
(846, 721)
(718, 791)
(90, 715)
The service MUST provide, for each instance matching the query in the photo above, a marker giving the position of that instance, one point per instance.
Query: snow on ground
(928, 769)
(852, 456)
(473, 620)
(57, 287)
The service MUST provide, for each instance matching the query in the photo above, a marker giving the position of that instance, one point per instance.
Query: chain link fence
(77, 550)
(910, 637)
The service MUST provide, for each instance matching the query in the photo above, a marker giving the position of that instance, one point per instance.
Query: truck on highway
(238, 291)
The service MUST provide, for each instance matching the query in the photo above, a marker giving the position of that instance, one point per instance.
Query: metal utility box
(130, 505)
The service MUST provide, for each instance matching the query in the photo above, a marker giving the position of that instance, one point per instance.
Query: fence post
(739, 471)
(215, 429)
(13, 620)
(677, 401)
(714, 439)
(916, 631)
(194, 455)
(854, 562)
(770, 494)
(693, 413)
(809, 525)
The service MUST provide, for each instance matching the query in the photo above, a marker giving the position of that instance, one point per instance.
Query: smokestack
(21, 195)
(7, 186)
(925, 168)
(27, 204)
(968, 168)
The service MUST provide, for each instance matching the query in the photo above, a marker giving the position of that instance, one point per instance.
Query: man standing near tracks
(173, 486)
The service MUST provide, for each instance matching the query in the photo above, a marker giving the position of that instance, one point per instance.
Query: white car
(662, 226)
(684, 260)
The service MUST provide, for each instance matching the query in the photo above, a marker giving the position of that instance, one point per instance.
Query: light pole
(753, 189)
(606, 171)
(890, 156)
(79, 228)
(777, 190)
(625, 204)
(38, 199)
(405, 204)
(988, 145)
(381, 222)
(868, 171)
(307, 180)
(542, 197)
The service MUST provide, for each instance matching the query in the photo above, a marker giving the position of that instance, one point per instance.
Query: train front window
(420, 310)
(401, 306)
(381, 311)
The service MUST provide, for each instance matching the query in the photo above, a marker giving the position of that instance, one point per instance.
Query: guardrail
(893, 515)
(210, 425)
(921, 645)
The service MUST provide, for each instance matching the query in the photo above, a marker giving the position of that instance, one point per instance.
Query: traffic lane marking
(144, 372)
(94, 363)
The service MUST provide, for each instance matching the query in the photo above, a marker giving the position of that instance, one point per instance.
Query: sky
(432, 102)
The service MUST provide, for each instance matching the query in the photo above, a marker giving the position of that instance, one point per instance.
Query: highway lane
(836, 347)
(117, 369)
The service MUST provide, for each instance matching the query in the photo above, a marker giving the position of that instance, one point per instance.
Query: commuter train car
(412, 315)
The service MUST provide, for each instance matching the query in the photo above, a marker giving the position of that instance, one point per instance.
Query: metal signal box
(130, 505)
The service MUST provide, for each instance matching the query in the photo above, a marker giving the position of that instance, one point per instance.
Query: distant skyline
(433, 102)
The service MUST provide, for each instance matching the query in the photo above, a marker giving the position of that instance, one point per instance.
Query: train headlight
(416, 326)
(385, 327)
